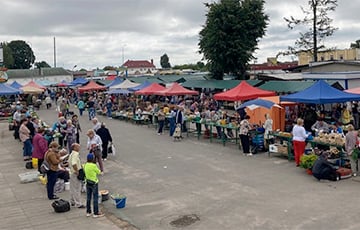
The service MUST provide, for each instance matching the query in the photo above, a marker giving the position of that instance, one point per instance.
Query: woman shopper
(53, 159)
(161, 120)
(24, 133)
(40, 146)
(75, 183)
(94, 145)
(70, 135)
(352, 142)
(244, 135)
(299, 136)
(92, 188)
(268, 126)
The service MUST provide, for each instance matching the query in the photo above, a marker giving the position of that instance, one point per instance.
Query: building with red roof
(140, 67)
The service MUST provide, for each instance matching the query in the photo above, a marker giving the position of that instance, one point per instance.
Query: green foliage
(231, 34)
(7, 56)
(42, 64)
(109, 68)
(198, 66)
(307, 161)
(164, 62)
(319, 27)
(22, 54)
(356, 44)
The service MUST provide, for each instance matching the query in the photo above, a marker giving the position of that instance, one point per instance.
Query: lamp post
(72, 71)
(122, 54)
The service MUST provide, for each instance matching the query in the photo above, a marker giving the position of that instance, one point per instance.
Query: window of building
(341, 57)
(322, 58)
(331, 57)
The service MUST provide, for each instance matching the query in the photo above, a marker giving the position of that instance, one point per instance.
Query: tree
(7, 56)
(319, 23)
(231, 34)
(164, 62)
(22, 54)
(42, 64)
(356, 44)
(106, 68)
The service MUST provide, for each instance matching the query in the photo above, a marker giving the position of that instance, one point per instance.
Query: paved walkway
(192, 184)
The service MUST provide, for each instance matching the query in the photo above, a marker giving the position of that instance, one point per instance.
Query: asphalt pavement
(190, 184)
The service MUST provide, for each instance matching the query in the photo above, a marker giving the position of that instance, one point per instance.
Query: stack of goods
(331, 138)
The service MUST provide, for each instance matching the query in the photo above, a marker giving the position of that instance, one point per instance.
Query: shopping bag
(111, 149)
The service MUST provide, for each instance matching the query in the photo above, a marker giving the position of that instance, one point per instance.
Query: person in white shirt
(94, 145)
(299, 136)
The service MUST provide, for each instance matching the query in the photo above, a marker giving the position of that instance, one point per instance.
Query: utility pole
(54, 53)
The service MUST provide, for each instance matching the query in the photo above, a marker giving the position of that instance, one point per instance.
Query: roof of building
(138, 64)
(31, 73)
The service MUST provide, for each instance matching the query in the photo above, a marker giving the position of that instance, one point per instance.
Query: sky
(96, 33)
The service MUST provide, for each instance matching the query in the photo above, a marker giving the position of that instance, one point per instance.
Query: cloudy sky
(97, 33)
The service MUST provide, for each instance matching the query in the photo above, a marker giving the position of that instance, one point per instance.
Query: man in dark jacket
(105, 136)
(322, 169)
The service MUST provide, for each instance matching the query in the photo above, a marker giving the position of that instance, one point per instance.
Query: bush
(307, 161)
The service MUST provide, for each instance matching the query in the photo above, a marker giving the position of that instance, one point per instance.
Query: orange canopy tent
(176, 89)
(34, 85)
(91, 86)
(151, 89)
(257, 116)
(242, 91)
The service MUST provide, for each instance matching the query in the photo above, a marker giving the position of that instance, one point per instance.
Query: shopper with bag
(75, 183)
(106, 138)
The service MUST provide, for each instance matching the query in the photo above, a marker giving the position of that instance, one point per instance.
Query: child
(92, 190)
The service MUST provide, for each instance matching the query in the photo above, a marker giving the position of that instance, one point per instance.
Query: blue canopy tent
(8, 90)
(320, 93)
(79, 81)
(142, 86)
(16, 85)
(116, 81)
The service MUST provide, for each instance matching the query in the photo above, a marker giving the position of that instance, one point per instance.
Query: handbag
(81, 175)
(61, 205)
(44, 168)
(109, 150)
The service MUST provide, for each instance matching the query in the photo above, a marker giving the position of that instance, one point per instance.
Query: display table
(284, 140)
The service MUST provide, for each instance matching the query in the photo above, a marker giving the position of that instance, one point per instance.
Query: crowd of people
(171, 111)
(56, 150)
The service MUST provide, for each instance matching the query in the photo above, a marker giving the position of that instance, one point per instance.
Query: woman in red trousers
(299, 137)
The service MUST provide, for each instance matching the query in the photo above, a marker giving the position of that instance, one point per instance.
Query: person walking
(244, 135)
(299, 137)
(92, 188)
(81, 106)
(105, 136)
(161, 120)
(75, 183)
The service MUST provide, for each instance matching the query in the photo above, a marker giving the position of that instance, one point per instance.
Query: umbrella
(256, 103)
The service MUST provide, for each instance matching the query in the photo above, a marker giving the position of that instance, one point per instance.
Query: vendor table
(342, 155)
(287, 140)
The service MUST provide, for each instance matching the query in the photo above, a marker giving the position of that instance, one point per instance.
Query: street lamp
(122, 53)
(72, 71)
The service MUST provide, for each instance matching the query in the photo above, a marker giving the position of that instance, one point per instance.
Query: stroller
(257, 140)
